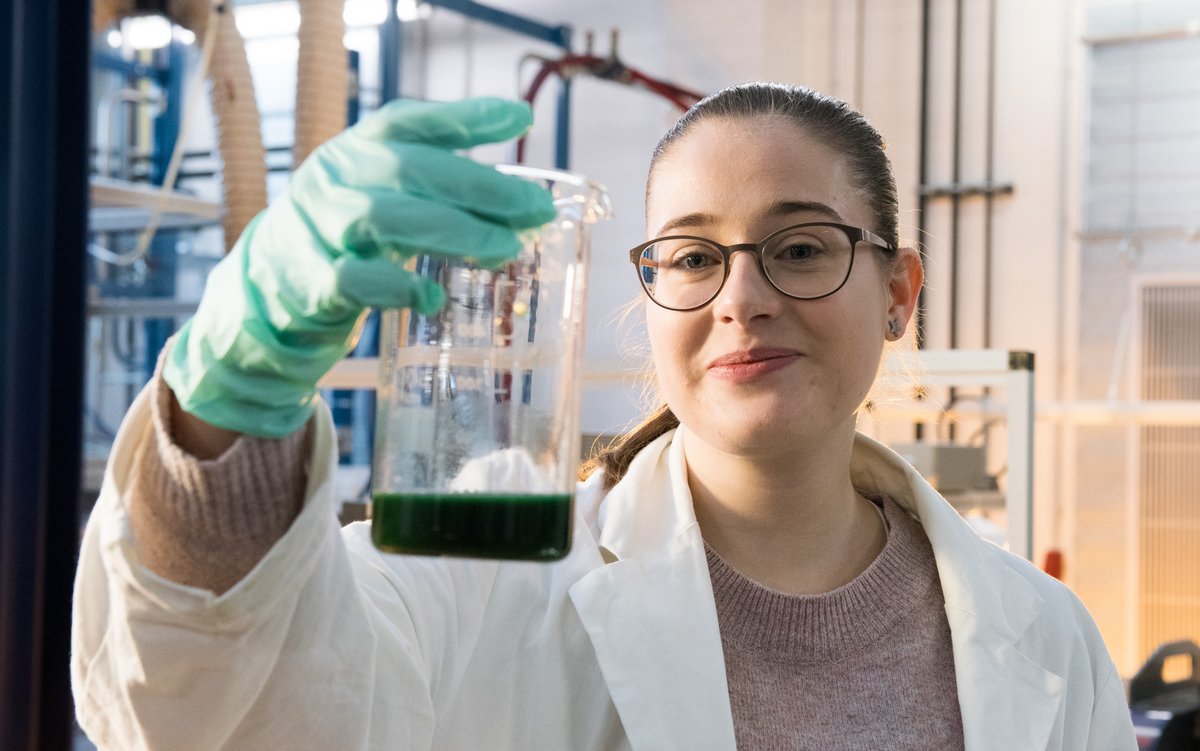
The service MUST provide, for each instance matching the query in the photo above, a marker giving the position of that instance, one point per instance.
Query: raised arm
(213, 586)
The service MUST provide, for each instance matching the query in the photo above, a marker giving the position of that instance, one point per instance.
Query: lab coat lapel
(1008, 700)
(650, 615)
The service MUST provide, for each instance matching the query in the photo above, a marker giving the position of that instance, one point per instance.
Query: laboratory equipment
(1164, 699)
(478, 430)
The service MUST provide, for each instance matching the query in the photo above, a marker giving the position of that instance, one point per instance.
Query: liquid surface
(475, 525)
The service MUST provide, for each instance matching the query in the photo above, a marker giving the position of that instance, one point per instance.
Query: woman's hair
(825, 118)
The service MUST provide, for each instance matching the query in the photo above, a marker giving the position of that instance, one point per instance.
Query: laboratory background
(1047, 154)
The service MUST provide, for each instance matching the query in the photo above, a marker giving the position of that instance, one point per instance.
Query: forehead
(735, 172)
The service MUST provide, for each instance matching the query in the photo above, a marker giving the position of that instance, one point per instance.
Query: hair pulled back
(825, 118)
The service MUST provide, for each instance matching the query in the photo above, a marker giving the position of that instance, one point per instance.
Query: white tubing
(239, 132)
(322, 76)
(164, 195)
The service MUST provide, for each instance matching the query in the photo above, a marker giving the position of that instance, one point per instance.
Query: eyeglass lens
(810, 261)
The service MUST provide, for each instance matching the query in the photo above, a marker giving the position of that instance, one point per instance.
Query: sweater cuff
(206, 523)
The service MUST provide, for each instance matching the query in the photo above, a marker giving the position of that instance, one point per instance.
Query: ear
(904, 287)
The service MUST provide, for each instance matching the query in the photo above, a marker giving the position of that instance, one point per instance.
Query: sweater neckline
(829, 626)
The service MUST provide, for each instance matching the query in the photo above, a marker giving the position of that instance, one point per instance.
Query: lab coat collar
(650, 614)
(1007, 697)
(652, 620)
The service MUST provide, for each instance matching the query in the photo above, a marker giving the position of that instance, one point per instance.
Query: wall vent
(1167, 475)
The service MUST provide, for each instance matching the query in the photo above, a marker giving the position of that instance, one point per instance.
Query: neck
(791, 521)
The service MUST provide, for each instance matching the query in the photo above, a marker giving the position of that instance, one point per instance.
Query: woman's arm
(281, 649)
(221, 478)
(197, 437)
(206, 504)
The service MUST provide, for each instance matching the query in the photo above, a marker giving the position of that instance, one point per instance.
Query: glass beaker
(477, 429)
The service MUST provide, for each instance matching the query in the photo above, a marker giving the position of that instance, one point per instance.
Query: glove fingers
(381, 283)
(503, 199)
(450, 125)
(426, 171)
(410, 226)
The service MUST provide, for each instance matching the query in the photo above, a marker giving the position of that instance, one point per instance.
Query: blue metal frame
(44, 56)
(128, 68)
(168, 72)
(162, 257)
(559, 35)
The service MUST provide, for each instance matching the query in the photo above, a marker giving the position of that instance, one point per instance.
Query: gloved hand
(280, 309)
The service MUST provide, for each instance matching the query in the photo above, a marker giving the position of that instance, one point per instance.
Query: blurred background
(1048, 161)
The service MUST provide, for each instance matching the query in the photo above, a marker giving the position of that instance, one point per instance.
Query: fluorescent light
(114, 38)
(361, 39)
(146, 32)
(412, 10)
(364, 12)
(183, 36)
(267, 19)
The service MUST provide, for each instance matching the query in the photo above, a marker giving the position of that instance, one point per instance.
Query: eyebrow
(777, 209)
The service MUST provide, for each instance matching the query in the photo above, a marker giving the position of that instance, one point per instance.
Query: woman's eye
(800, 252)
(694, 259)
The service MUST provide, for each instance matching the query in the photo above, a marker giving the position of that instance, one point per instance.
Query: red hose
(605, 68)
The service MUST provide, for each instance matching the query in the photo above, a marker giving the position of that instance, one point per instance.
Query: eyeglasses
(805, 262)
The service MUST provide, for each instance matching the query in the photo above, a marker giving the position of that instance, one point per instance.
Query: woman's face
(755, 372)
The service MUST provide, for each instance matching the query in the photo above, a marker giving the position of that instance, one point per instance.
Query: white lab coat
(328, 644)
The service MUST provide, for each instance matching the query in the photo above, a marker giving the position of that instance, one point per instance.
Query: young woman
(746, 571)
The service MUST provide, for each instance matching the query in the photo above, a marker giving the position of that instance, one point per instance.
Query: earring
(894, 328)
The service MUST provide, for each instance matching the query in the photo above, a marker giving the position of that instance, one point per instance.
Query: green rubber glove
(280, 310)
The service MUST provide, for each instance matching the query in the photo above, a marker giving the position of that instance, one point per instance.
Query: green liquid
(475, 525)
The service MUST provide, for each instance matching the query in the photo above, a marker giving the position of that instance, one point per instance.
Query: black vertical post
(44, 70)
(391, 36)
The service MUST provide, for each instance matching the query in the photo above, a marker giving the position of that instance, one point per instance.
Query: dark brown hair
(826, 118)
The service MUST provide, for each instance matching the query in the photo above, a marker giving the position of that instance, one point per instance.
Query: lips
(751, 363)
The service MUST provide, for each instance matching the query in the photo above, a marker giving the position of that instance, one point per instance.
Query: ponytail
(614, 459)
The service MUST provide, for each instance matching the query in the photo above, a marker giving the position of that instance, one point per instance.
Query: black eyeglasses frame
(855, 235)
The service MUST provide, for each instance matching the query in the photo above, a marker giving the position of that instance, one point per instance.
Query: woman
(745, 571)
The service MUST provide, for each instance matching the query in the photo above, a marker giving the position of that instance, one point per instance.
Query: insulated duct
(239, 128)
(322, 76)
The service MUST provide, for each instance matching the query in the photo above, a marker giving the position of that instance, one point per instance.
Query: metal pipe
(956, 172)
(923, 164)
(1192, 29)
(955, 197)
(922, 180)
(389, 55)
(989, 175)
(860, 52)
(104, 112)
(562, 126)
(966, 190)
(559, 36)
(990, 196)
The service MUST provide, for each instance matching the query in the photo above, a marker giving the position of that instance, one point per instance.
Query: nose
(747, 293)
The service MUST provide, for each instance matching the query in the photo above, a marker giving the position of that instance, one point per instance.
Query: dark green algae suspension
(476, 525)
